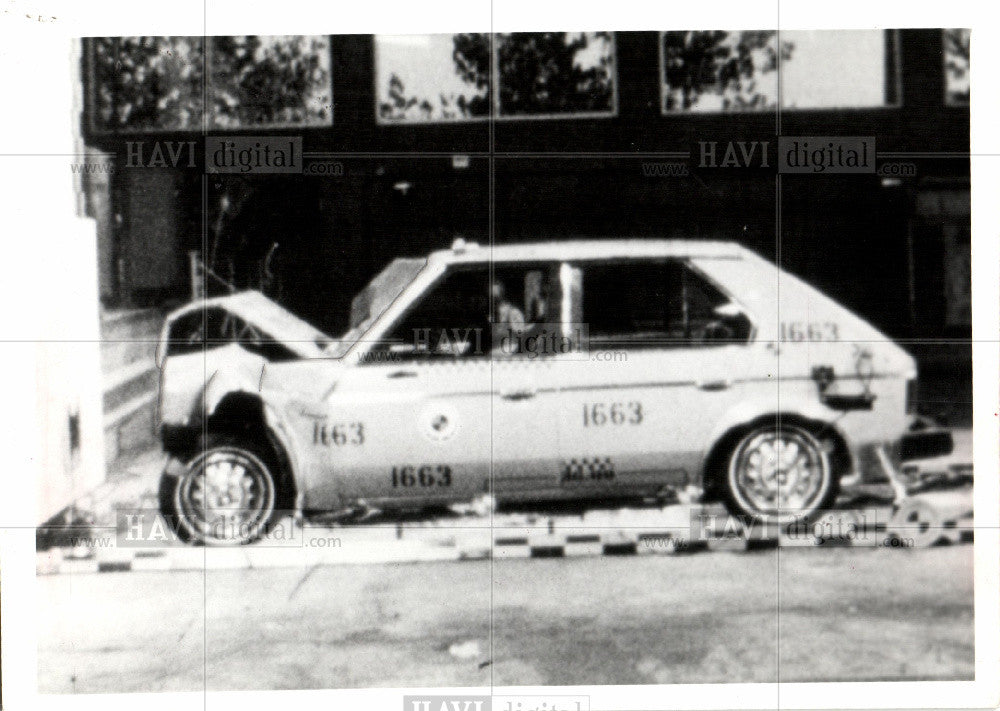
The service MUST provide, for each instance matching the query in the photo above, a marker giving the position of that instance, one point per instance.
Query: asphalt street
(790, 615)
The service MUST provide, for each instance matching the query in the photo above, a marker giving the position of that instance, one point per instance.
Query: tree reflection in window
(956, 64)
(158, 83)
(448, 77)
(263, 81)
(555, 73)
(721, 71)
(739, 71)
(148, 82)
(432, 77)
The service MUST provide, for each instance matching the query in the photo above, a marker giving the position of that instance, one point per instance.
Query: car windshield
(372, 301)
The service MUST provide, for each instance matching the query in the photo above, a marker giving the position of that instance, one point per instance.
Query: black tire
(259, 486)
(758, 468)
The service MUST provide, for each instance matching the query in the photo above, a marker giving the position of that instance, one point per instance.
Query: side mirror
(734, 321)
(729, 310)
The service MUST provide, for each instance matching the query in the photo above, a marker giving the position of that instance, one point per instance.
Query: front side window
(477, 312)
(656, 304)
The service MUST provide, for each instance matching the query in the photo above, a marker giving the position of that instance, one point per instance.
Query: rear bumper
(903, 462)
(924, 444)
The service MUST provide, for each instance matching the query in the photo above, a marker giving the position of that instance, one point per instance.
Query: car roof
(562, 250)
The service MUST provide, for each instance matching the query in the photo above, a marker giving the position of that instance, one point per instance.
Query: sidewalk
(131, 483)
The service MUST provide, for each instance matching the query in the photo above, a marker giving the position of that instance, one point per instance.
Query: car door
(524, 418)
(422, 393)
(408, 433)
(664, 360)
(442, 417)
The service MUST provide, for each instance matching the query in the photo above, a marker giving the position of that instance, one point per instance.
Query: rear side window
(655, 303)
(214, 327)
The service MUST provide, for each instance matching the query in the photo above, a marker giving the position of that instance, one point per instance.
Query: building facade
(536, 137)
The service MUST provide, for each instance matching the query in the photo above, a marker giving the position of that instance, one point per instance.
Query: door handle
(402, 374)
(714, 385)
(516, 395)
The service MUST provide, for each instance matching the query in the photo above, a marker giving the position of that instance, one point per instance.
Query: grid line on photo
(778, 260)
(206, 79)
(491, 227)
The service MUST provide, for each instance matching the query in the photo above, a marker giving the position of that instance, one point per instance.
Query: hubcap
(779, 474)
(226, 497)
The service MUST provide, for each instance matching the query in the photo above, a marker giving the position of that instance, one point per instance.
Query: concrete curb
(668, 531)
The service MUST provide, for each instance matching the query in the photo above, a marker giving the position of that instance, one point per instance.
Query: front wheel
(226, 495)
(779, 474)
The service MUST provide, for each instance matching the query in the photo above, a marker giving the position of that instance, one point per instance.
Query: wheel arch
(245, 414)
(714, 461)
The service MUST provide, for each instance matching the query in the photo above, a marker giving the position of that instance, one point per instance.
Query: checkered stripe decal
(587, 469)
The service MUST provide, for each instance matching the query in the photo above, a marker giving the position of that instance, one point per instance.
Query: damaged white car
(593, 370)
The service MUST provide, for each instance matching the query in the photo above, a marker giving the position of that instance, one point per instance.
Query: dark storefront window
(718, 71)
(956, 66)
(432, 78)
(158, 83)
(941, 259)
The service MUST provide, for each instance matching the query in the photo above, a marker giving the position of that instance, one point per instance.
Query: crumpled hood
(274, 320)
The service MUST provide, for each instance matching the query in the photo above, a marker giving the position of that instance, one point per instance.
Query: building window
(956, 66)
(718, 71)
(159, 83)
(147, 83)
(270, 81)
(431, 77)
(435, 78)
(840, 69)
(555, 74)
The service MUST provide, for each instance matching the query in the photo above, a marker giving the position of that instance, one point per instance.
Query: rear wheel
(227, 494)
(779, 474)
